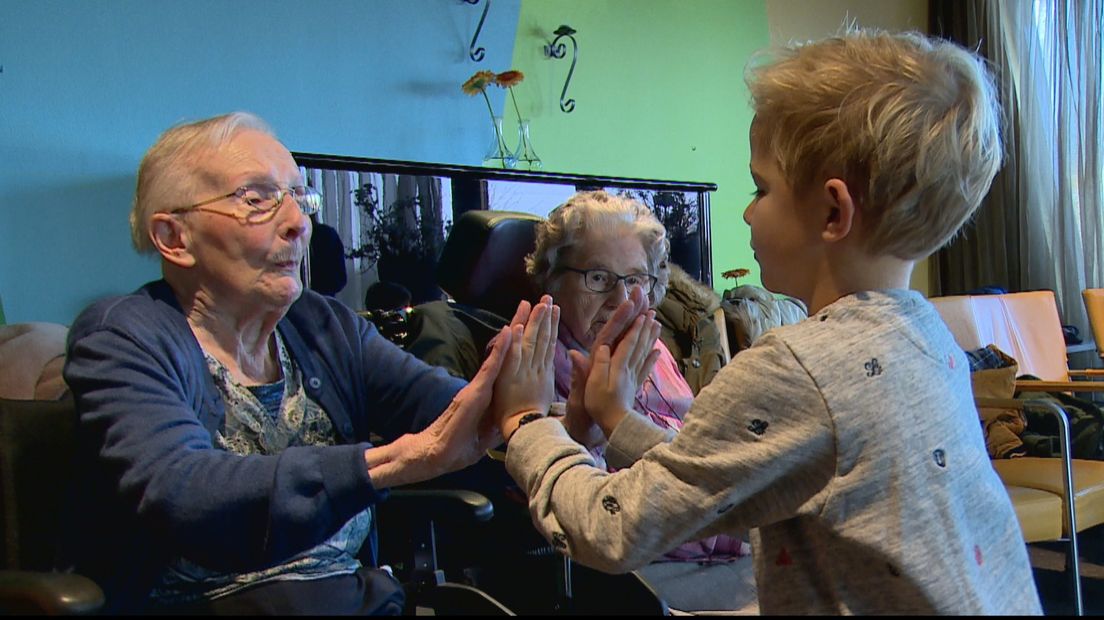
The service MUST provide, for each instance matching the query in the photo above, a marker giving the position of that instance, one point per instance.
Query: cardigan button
(314, 383)
(696, 363)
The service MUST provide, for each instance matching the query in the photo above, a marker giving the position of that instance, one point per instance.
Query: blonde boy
(850, 441)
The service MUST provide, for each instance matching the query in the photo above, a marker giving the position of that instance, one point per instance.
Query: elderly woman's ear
(171, 239)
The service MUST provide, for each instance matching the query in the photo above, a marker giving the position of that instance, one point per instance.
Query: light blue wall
(87, 86)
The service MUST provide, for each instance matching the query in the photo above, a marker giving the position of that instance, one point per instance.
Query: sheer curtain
(1042, 226)
(354, 227)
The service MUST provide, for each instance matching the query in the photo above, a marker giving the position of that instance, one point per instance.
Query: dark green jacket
(686, 314)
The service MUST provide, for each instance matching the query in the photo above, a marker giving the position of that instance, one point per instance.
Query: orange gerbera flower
(478, 82)
(506, 79)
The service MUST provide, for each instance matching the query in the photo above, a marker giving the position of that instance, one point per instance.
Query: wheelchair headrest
(483, 261)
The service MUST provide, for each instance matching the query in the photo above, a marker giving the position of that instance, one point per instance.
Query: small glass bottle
(497, 153)
(525, 155)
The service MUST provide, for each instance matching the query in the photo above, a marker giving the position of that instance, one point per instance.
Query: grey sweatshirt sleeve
(634, 436)
(757, 447)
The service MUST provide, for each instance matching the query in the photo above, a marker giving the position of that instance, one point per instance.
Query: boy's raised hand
(526, 382)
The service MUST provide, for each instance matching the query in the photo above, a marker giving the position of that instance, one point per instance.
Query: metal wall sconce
(555, 49)
(477, 53)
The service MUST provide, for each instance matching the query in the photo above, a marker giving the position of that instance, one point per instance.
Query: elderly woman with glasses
(225, 412)
(592, 254)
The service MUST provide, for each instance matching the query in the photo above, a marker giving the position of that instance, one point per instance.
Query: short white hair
(171, 171)
(597, 211)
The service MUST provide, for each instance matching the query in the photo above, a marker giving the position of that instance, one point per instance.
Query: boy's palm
(526, 380)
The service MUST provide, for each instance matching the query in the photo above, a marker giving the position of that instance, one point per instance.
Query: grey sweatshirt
(850, 441)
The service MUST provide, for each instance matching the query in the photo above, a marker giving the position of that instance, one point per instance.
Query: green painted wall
(659, 94)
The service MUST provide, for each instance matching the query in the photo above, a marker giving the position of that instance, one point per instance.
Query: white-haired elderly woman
(225, 411)
(590, 253)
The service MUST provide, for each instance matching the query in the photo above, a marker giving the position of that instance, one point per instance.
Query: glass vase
(497, 153)
(525, 155)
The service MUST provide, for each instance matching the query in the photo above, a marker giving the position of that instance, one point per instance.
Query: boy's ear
(172, 239)
(841, 210)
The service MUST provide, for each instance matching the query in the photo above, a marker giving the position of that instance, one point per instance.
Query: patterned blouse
(266, 420)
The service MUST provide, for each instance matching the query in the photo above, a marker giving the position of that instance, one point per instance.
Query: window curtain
(339, 209)
(1041, 226)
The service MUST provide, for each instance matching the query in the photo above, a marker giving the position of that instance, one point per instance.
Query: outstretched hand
(526, 383)
(457, 438)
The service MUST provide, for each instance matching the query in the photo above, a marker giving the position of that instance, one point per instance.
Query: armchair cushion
(31, 357)
(1043, 474)
(1036, 511)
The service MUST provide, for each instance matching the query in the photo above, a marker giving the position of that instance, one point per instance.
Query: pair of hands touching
(603, 385)
(517, 378)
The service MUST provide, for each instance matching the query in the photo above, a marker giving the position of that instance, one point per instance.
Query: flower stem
(517, 110)
(501, 142)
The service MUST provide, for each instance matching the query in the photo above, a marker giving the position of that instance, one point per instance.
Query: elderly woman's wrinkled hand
(615, 377)
(456, 439)
(526, 382)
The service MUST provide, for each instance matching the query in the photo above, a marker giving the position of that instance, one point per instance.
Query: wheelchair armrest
(34, 592)
(415, 521)
(455, 505)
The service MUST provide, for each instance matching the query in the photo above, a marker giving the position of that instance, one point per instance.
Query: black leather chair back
(483, 261)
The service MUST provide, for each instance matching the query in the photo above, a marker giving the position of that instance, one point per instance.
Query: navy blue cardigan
(152, 485)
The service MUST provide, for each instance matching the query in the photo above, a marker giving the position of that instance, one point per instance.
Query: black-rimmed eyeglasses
(604, 280)
(263, 200)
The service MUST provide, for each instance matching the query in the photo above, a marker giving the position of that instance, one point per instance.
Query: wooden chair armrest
(1029, 385)
(1088, 372)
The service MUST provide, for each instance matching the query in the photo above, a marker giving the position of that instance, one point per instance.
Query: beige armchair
(1027, 327)
(31, 357)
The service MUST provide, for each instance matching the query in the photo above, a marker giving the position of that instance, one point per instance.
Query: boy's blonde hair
(910, 123)
(171, 173)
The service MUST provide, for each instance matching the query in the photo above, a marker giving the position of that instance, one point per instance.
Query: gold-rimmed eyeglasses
(263, 200)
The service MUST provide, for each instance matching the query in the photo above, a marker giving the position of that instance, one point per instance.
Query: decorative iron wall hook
(555, 49)
(477, 53)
